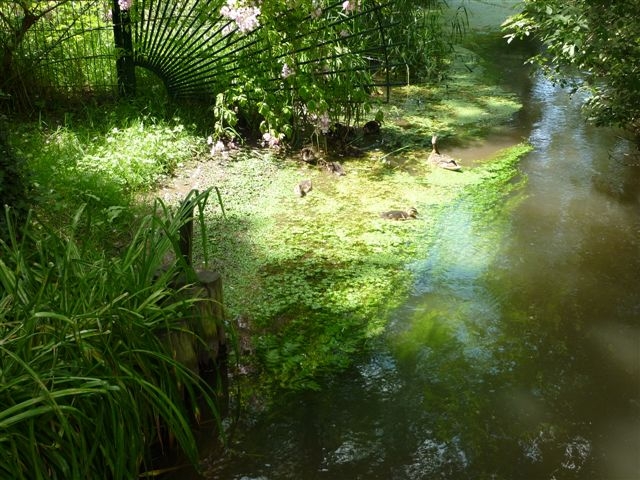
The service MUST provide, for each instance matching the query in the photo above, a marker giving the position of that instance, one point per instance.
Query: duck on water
(400, 214)
(441, 160)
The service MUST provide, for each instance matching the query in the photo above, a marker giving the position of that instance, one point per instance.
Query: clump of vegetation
(13, 185)
(88, 381)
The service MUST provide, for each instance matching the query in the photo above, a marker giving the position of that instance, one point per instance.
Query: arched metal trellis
(195, 47)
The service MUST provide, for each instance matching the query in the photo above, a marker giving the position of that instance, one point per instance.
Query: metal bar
(162, 42)
(192, 50)
(185, 31)
(152, 47)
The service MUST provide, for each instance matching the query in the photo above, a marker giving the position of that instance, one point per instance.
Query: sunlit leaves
(87, 380)
(598, 38)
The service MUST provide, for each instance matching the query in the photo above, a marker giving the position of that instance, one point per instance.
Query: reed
(87, 385)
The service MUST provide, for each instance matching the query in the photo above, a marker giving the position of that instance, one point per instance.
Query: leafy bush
(598, 38)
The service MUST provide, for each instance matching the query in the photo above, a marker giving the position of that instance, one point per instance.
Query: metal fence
(58, 48)
(76, 48)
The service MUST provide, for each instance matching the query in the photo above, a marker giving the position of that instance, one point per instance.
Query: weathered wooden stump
(208, 320)
(200, 343)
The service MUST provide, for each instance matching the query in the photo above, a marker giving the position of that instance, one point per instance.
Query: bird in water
(400, 214)
(309, 155)
(336, 168)
(440, 160)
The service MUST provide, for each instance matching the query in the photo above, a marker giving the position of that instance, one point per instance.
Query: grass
(89, 382)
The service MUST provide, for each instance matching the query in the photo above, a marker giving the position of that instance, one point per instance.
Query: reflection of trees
(503, 391)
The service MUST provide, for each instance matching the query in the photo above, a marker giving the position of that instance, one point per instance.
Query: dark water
(518, 355)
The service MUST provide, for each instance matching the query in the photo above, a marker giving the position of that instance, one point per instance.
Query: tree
(592, 45)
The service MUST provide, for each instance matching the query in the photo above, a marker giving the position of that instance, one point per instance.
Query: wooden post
(186, 231)
(207, 318)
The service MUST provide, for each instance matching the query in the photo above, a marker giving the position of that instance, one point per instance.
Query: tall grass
(87, 380)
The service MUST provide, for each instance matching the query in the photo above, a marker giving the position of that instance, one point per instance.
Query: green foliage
(13, 184)
(101, 158)
(600, 39)
(418, 42)
(318, 60)
(299, 68)
(62, 43)
(88, 381)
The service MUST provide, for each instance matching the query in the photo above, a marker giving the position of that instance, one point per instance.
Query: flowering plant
(300, 68)
(244, 16)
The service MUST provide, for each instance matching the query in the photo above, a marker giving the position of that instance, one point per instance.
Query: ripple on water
(434, 457)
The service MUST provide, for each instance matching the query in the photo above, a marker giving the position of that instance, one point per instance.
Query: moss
(320, 275)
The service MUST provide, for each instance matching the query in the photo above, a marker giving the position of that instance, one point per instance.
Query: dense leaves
(88, 379)
(13, 189)
(598, 39)
(278, 68)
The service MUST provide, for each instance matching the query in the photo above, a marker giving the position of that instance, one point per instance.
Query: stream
(518, 354)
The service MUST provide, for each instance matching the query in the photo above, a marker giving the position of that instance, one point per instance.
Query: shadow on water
(518, 356)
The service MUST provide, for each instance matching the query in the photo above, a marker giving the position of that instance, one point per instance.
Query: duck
(372, 127)
(336, 168)
(302, 188)
(438, 159)
(309, 155)
(400, 214)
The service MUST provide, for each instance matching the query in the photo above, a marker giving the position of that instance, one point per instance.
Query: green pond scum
(322, 273)
(317, 277)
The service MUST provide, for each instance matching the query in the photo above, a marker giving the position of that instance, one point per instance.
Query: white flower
(272, 141)
(349, 5)
(218, 147)
(286, 71)
(245, 18)
(124, 4)
(316, 12)
(323, 122)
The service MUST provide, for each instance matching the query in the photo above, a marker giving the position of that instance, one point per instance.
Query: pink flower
(349, 5)
(272, 141)
(124, 4)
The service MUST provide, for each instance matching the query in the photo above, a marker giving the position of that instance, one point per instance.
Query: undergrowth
(88, 378)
